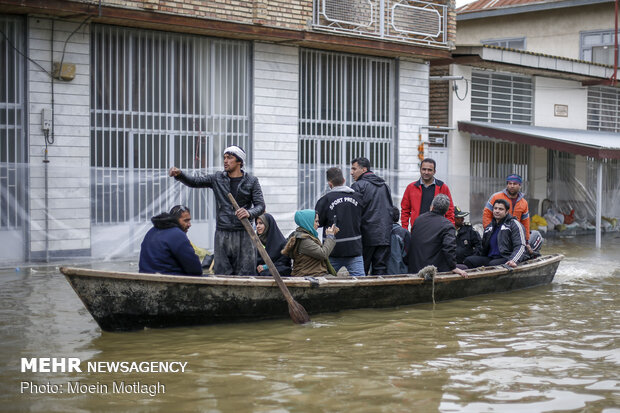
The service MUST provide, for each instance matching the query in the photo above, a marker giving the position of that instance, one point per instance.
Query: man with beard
(503, 241)
(166, 248)
(419, 195)
(518, 205)
(376, 219)
(234, 251)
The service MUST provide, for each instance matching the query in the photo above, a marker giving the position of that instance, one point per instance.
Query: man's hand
(242, 213)
(259, 269)
(460, 272)
(529, 249)
(512, 264)
(174, 171)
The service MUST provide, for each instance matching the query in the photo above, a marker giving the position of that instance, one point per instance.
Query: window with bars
(346, 110)
(160, 99)
(604, 109)
(491, 162)
(501, 97)
(12, 122)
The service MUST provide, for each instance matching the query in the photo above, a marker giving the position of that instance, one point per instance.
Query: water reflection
(546, 349)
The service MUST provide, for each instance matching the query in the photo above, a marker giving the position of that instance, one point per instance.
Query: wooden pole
(297, 311)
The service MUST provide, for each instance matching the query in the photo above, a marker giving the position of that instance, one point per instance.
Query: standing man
(234, 250)
(503, 241)
(343, 206)
(468, 241)
(376, 217)
(166, 248)
(419, 195)
(518, 205)
(433, 239)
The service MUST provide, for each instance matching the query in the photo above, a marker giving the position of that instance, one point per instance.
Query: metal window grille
(604, 109)
(160, 99)
(346, 110)
(491, 162)
(12, 122)
(411, 21)
(501, 97)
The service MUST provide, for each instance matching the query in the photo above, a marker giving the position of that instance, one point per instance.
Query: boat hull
(128, 301)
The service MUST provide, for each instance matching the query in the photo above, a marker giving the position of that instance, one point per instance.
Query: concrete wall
(413, 101)
(67, 211)
(554, 32)
(276, 117)
(550, 92)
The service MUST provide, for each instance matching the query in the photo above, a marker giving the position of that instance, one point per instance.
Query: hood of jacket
(342, 188)
(165, 221)
(373, 179)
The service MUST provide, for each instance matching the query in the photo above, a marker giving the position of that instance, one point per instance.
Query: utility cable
(456, 93)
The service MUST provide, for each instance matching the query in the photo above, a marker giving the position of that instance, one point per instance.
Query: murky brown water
(552, 348)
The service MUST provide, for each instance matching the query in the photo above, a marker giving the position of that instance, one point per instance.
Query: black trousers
(474, 261)
(376, 259)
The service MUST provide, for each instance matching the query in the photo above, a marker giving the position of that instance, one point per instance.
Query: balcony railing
(417, 22)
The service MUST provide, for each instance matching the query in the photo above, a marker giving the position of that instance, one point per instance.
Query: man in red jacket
(419, 195)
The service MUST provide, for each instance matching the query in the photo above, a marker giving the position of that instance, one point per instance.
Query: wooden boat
(121, 301)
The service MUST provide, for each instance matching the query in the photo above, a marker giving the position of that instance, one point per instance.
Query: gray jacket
(249, 196)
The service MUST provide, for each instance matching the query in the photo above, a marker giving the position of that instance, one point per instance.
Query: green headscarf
(305, 219)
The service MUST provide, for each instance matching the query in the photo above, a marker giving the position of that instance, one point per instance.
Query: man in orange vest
(518, 205)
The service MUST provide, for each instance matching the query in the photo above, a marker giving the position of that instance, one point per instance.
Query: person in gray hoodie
(343, 206)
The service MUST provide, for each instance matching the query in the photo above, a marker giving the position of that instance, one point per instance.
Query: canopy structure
(596, 144)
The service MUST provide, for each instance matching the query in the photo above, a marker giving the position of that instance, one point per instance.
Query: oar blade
(298, 313)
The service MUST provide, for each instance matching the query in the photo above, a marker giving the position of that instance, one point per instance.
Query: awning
(596, 144)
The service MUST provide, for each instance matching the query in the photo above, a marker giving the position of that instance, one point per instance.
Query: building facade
(520, 68)
(100, 98)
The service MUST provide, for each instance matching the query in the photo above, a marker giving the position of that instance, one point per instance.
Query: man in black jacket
(468, 241)
(376, 217)
(234, 250)
(503, 241)
(343, 206)
(433, 240)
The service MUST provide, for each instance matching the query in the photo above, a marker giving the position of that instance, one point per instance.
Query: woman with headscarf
(310, 257)
(273, 240)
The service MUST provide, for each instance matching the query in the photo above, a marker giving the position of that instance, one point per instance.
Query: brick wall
(439, 97)
(290, 14)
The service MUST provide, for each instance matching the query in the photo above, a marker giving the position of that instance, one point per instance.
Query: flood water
(551, 348)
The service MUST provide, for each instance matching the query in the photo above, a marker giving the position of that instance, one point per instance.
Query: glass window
(598, 46)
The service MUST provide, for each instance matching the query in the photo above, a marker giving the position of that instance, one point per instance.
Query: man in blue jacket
(234, 251)
(166, 248)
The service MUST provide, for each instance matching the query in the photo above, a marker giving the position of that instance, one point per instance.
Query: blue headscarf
(305, 219)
